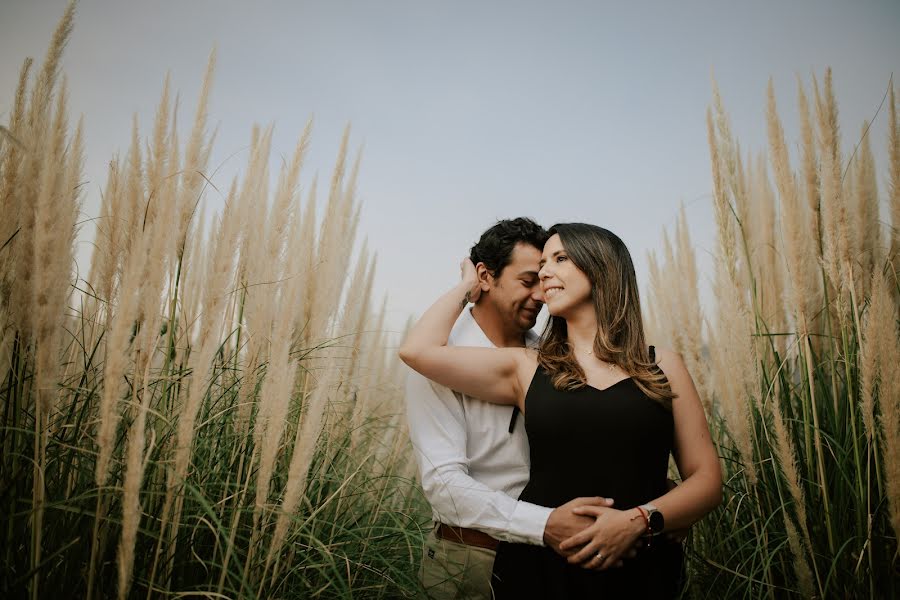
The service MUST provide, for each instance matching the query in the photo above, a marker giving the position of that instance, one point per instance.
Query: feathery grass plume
(108, 239)
(334, 245)
(154, 277)
(350, 325)
(134, 475)
(307, 262)
(799, 247)
(882, 341)
(304, 446)
(770, 269)
(787, 458)
(371, 369)
(10, 164)
(159, 229)
(193, 268)
(653, 329)
(283, 383)
(256, 305)
(135, 197)
(195, 161)
(157, 156)
(868, 229)
(276, 388)
(55, 212)
(838, 223)
(37, 138)
(801, 566)
(810, 170)
(670, 308)
(218, 279)
(878, 375)
(894, 200)
(118, 354)
(733, 349)
(721, 206)
(691, 314)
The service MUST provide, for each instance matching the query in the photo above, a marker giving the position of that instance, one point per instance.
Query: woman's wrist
(467, 291)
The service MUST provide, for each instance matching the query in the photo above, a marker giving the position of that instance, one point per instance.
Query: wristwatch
(655, 521)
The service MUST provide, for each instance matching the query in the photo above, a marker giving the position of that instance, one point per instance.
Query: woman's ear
(484, 277)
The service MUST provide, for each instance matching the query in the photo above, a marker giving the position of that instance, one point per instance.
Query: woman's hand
(469, 276)
(611, 538)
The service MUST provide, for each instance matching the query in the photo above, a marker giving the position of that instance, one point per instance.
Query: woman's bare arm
(490, 374)
(694, 453)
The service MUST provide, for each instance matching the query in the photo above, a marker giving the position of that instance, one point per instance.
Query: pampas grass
(804, 399)
(166, 422)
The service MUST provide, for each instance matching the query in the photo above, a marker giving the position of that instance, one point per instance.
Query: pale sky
(470, 111)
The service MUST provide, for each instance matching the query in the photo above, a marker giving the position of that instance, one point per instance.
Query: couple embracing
(545, 460)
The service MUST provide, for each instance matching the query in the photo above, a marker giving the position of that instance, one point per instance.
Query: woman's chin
(555, 310)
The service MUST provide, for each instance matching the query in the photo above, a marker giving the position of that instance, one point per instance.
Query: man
(473, 456)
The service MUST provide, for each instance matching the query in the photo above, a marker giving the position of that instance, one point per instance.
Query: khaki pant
(452, 571)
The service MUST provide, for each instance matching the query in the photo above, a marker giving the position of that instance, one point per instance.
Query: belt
(464, 535)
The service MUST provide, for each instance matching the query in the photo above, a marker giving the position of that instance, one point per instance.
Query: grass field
(212, 409)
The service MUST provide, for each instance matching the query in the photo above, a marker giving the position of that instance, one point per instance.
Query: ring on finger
(599, 556)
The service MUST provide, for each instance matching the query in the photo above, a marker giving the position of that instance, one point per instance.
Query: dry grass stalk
(275, 393)
(135, 195)
(306, 262)
(894, 199)
(868, 228)
(880, 376)
(55, 211)
(799, 247)
(195, 161)
(304, 446)
(218, 282)
(9, 204)
(690, 314)
(733, 352)
(810, 169)
(769, 271)
(838, 223)
(787, 458)
(653, 308)
(108, 239)
(371, 371)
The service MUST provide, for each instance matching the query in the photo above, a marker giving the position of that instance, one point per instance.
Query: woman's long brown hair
(603, 257)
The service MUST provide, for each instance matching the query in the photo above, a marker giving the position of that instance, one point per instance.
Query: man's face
(516, 293)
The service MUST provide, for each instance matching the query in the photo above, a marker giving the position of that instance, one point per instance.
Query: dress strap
(653, 354)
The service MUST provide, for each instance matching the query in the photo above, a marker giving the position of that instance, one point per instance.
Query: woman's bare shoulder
(670, 361)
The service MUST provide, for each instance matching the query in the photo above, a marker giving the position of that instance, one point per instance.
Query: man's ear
(485, 279)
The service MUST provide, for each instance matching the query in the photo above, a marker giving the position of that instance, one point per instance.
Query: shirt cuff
(529, 521)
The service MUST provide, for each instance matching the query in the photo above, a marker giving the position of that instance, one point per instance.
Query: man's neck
(493, 327)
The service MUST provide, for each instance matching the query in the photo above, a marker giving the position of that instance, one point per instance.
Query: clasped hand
(611, 538)
(581, 528)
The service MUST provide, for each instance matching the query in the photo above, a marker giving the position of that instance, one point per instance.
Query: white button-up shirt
(472, 468)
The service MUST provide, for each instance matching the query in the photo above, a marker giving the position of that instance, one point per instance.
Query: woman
(602, 416)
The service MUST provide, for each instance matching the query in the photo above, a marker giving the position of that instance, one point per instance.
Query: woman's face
(565, 286)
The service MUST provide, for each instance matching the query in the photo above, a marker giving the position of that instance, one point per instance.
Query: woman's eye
(560, 258)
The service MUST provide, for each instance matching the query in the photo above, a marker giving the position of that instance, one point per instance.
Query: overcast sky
(470, 111)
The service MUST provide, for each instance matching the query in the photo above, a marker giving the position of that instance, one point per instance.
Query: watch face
(656, 521)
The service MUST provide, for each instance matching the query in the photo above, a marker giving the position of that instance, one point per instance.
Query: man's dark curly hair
(496, 245)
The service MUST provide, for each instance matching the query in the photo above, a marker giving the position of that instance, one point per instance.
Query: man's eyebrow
(528, 274)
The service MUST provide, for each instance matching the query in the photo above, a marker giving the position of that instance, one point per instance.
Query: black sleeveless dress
(614, 443)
